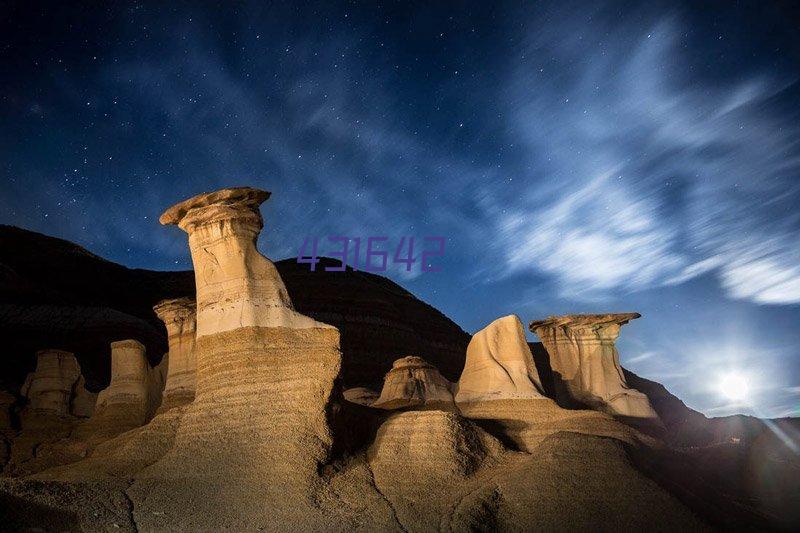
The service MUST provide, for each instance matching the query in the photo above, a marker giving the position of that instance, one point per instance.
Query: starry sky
(577, 157)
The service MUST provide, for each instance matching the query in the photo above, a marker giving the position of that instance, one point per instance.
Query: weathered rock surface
(179, 317)
(237, 287)
(414, 383)
(499, 365)
(130, 400)
(583, 354)
(50, 388)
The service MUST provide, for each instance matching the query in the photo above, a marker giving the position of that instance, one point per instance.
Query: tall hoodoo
(499, 365)
(50, 388)
(583, 354)
(180, 318)
(236, 286)
(258, 427)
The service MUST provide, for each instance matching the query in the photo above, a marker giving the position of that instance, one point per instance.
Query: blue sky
(620, 157)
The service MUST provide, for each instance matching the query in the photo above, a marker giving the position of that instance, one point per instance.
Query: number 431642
(375, 251)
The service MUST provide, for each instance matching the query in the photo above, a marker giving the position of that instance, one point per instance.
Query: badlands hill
(392, 419)
(54, 293)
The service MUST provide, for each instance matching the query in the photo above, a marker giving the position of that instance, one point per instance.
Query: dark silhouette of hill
(56, 294)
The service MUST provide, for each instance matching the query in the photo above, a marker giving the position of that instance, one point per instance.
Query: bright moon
(734, 387)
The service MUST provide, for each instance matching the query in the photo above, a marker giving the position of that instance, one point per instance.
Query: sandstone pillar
(124, 403)
(179, 317)
(499, 365)
(585, 363)
(237, 287)
(264, 379)
(49, 387)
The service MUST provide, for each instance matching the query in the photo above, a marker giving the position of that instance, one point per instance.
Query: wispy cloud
(650, 176)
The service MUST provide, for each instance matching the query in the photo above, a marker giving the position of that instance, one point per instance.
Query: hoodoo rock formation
(51, 387)
(585, 363)
(414, 383)
(499, 365)
(270, 442)
(179, 317)
(237, 287)
(257, 430)
(131, 398)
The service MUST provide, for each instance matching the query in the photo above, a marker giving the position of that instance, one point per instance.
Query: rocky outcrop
(414, 383)
(50, 388)
(499, 365)
(57, 387)
(585, 363)
(179, 317)
(132, 397)
(419, 457)
(237, 287)
(257, 430)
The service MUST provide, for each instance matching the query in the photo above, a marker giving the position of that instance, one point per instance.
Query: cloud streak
(651, 177)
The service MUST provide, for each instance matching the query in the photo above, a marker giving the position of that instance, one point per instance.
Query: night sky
(583, 157)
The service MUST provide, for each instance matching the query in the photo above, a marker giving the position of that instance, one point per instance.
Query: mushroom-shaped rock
(586, 365)
(49, 388)
(413, 382)
(179, 316)
(499, 365)
(237, 287)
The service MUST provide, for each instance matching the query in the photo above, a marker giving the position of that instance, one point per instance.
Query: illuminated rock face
(50, 388)
(499, 365)
(413, 382)
(179, 317)
(237, 287)
(585, 359)
(265, 376)
(133, 394)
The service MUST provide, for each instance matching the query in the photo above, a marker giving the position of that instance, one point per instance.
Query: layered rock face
(56, 387)
(131, 398)
(499, 365)
(179, 317)
(414, 383)
(257, 430)
(585, 363)
(236, 286)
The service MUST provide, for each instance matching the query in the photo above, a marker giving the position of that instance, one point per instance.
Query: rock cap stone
(175, 309)
(229, 203)
(580, 320)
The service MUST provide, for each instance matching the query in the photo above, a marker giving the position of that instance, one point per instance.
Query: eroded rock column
(257, 431)
(124, 404)
(586, 365)
(180, 318)
(499, 365)
(237, 287)
(49, 388)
